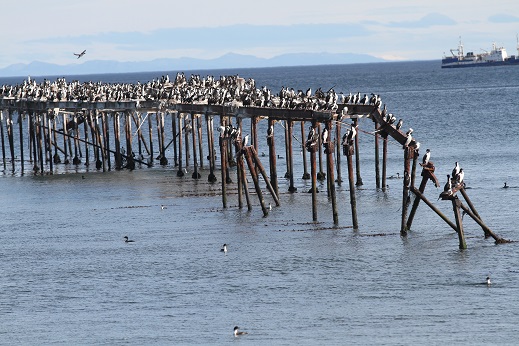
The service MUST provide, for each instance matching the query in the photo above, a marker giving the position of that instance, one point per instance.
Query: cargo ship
(496, 57)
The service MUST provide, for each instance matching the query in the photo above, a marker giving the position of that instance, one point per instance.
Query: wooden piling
(272, 157)
(117, 134)
(320, 175)
(174, 132)
(416, 202)
(331, 180)
(10, 137)
(187, 129)
(195, 174)
(353, 201)
(291, 188)
(338, 151)
(357, 154)
(377, 163)
(20, 131)
(2, 135)
(180, 171)
(85, 131)
(260, 168)
(459, 224)
(200, 144)
(150, 134)
(223, 161)
(49, 147)
(254, 175)
(306, 175)
(405, 190)
(313, 172)
(210, 143)
(384, 162)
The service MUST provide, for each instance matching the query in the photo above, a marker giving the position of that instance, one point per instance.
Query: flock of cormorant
(226, 90)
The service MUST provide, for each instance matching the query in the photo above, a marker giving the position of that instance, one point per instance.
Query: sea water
(68, 277)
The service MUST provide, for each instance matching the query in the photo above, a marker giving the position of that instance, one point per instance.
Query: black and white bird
(324, 135)
(79, 55)
(409, 131)
(488, 282)
(426, 157)
(126, 240)
(456, 170)
(237, 332)
(270, 131)
(399, 124)
(448, 184)
(408, 140)
(460, 176)
(224, 248)
(245, 141)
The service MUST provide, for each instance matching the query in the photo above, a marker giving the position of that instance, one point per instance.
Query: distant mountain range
(230, 60)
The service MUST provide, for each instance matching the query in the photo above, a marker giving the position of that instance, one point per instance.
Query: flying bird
(79, 55)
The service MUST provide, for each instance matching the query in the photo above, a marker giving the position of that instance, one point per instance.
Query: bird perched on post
(456, 170)
(460, 176)
(245, 141)
(426, 157)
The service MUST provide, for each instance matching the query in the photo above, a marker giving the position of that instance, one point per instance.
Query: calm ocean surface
(68, 278)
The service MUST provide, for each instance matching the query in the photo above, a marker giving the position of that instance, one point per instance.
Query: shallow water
(69, 278)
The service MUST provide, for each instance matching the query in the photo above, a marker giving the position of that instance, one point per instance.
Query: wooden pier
(122, 133)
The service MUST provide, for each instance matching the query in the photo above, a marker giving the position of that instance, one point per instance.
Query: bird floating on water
(224, 248)
(126, 240)
(162, 206)
(237, 332)
(488, 282)
(79, 55)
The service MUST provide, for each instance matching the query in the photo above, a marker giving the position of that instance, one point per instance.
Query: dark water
(69, 278)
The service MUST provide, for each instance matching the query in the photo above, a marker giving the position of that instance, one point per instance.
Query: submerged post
(459, 224)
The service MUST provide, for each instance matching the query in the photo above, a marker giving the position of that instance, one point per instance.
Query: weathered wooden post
(200, 144)
(187, 129)
(85, 130)
(306, 175)
(195, 174)
(338, 151)
(254, 175)
(163, 158)
(210, 143)
(180, 171)
(65, 131)
(117, 135)
(106, 135)
(49, 139)
(260, 168)
(328, 150)
(290, 126)
(223, 160)
(384, 161)
(312, 146)
(357, 153)
(174, 133)
(427, 173)
(272, 155)
(348, 149)
(436, 210)
(10, 136)
(2, 135)
(405, 190)
(150, 135)
(377, 163)
(459, 224)
(20, 129)
(320, 175)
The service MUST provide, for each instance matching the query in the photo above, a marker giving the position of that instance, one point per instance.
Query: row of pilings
(122, 135)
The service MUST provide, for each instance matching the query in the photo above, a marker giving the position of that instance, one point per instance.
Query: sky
(143, 30)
